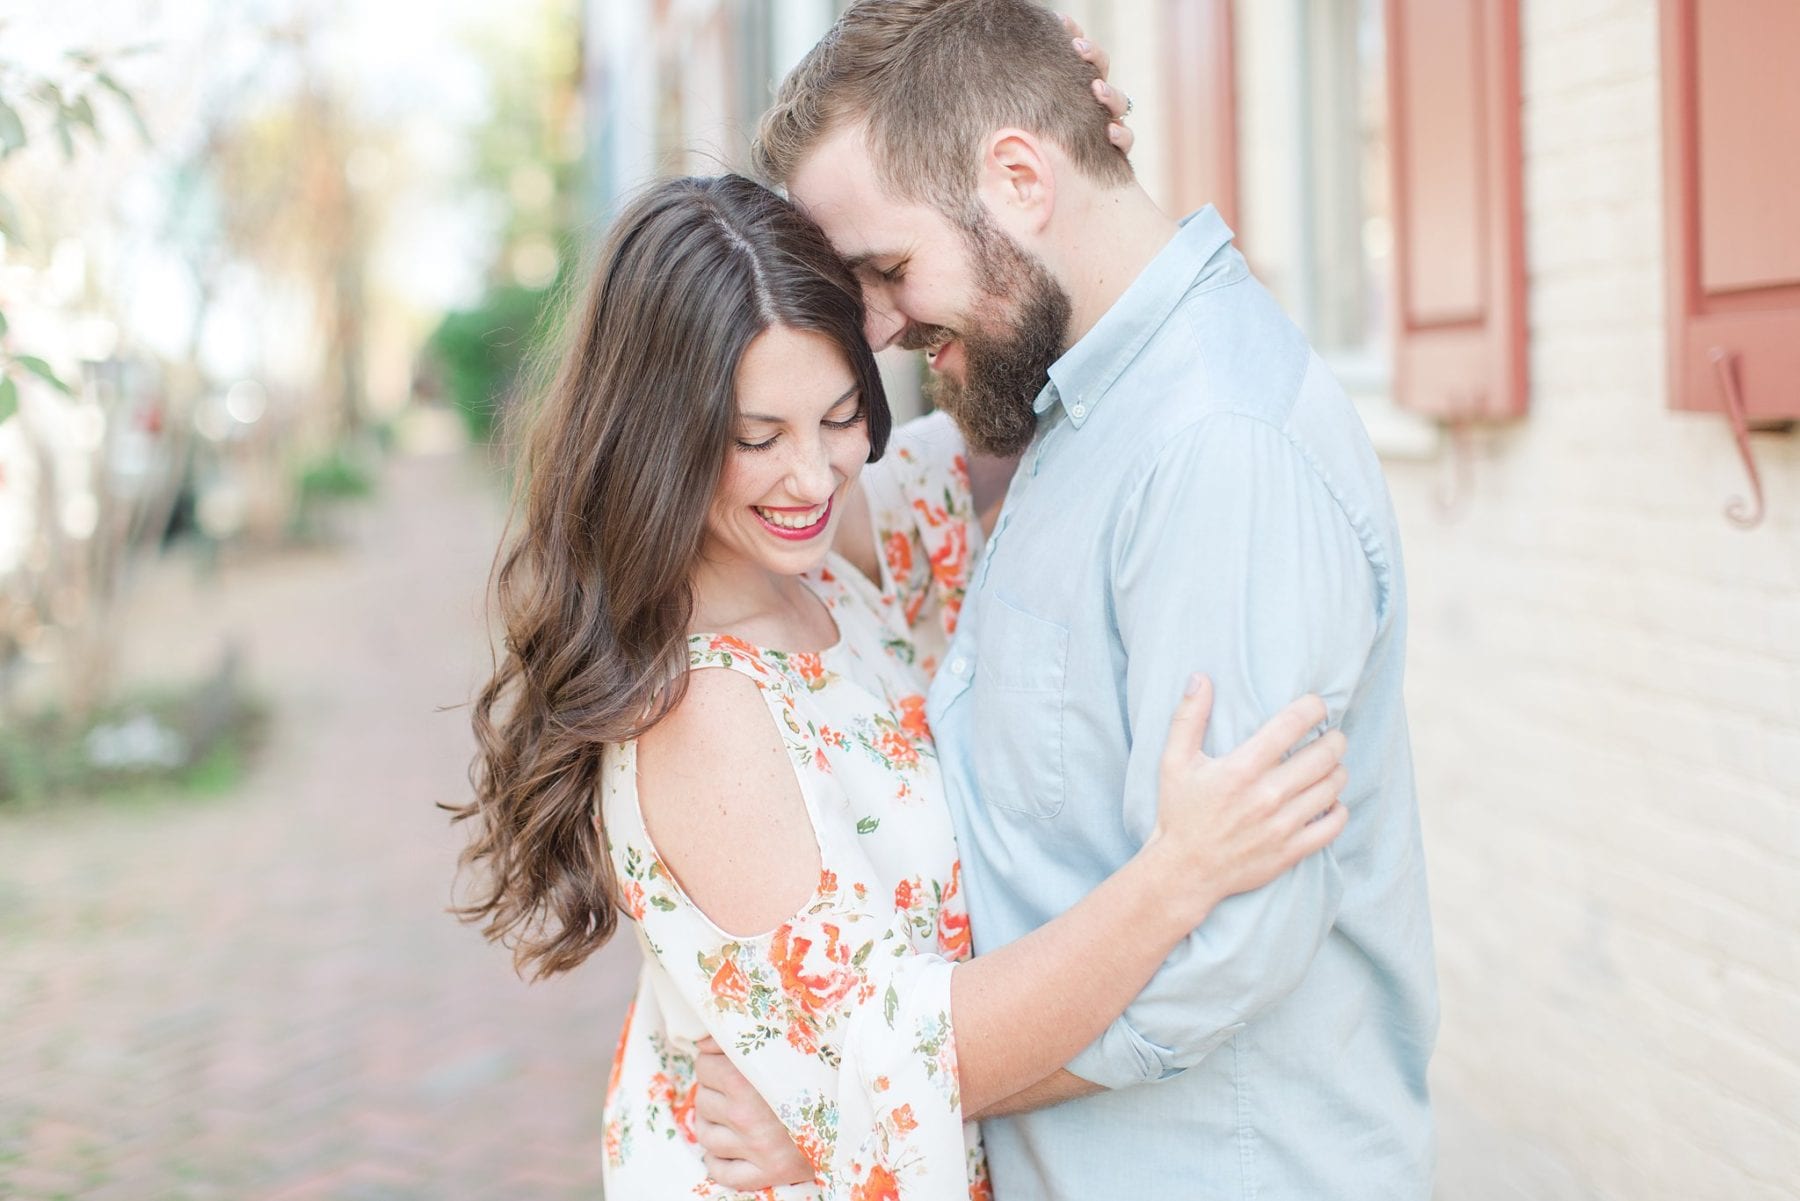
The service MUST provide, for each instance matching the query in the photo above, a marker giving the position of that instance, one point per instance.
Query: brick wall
(1605, 695)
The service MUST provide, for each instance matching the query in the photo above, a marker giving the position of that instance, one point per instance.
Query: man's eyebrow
(848, 393)
(856, 262)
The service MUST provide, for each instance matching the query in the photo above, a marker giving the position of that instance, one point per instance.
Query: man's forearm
(1061, 1085)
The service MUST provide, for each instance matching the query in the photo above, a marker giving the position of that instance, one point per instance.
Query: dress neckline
(815, 582)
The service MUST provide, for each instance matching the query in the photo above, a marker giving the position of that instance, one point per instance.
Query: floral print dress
(840, 1017)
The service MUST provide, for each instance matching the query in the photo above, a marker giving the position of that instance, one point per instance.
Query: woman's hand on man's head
(1115, 102)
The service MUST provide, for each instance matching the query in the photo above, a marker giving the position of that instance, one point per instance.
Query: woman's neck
(764, 607)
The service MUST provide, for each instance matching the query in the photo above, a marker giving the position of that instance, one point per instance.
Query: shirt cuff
(1121, 1057)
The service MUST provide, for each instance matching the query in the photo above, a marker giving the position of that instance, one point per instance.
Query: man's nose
(881, 325)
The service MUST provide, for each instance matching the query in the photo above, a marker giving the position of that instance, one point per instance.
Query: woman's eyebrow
(764, 417)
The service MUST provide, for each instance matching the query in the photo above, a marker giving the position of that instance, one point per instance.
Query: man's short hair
(932, 79)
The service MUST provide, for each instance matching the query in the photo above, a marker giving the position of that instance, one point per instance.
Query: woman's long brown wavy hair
(592, 584)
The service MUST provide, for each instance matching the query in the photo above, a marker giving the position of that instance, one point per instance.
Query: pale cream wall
(1129, 30)
(1604, 687)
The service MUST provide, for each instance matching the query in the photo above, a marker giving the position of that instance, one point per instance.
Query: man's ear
(1017, 181)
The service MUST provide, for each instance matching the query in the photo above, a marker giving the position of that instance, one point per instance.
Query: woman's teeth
(791, 521)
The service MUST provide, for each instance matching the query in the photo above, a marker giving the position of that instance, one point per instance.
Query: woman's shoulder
(721, 802)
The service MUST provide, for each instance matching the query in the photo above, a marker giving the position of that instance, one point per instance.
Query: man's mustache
(924, 337)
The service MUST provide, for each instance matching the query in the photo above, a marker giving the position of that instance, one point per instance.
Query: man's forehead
(837, 186)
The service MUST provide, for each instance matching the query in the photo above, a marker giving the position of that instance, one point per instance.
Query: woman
(717, 725)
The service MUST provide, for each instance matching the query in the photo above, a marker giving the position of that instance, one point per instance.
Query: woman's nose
(810, 475)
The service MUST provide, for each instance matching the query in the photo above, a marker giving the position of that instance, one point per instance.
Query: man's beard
(1006, 361)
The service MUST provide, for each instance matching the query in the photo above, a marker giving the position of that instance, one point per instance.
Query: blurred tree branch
(64, 109)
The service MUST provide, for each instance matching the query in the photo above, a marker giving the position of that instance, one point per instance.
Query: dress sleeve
(925, 523)
(841, 1026)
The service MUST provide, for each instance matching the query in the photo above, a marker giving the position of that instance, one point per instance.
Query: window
(1458, 215)
(1382, 201)
(1731, 129)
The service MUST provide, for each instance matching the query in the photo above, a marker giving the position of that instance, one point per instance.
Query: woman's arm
(723, 807)
(1226, 826)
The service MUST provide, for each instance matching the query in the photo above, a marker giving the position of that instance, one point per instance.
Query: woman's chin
(798, 560)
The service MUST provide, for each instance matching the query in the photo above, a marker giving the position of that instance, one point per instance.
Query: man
(1195, 494)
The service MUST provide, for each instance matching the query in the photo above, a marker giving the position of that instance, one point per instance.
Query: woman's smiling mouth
(794, 524)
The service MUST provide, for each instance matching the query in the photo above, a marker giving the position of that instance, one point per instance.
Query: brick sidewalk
(260, 996)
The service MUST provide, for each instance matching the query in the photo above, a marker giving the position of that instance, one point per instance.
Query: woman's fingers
(711, 1105)
(1187, 728)
(735, 1174)
(1310, 803)
(1085, 47)
(1111, 99)
(1096, 57)
(1307, 765)
(1265, 748)
(721, 1142)
(1116, 103)
(1318, 834)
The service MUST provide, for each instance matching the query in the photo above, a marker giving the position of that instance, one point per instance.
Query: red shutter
(1731, 131)
(1197, 65)
(1459, 253)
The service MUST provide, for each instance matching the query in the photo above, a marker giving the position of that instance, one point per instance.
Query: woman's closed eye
(856, 418)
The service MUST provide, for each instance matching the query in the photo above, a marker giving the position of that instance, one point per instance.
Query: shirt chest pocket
(1018, 711)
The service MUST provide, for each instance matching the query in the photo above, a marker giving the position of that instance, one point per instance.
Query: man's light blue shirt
(1201, 496)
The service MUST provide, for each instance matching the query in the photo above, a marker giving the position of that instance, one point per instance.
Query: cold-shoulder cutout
(723, 808)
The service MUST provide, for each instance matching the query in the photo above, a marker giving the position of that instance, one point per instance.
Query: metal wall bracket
(1457, 484)
(1745, 514)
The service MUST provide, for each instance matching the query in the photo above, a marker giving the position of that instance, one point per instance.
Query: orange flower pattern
(927, 528)
(840, 1016)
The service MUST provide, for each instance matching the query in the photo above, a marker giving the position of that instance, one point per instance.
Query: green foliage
(523, 158)
(334, 476)
(322, 486)
(48, 757)
(480, 352)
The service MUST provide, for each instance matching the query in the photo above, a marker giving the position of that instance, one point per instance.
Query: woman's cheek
(851, 452)
(739, 484)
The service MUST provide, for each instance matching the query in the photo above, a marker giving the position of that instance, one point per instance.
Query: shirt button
(1078, 412)
(958, 666)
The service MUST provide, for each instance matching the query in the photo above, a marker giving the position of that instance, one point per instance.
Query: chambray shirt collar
(1087, 369)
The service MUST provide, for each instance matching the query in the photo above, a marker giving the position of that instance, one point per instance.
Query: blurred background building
(1519, 232)
(271, 269)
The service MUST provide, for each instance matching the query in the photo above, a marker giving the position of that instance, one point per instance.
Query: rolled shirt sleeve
(1267, 590)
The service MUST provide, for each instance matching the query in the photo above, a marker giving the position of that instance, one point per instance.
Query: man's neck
(1112, 236)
